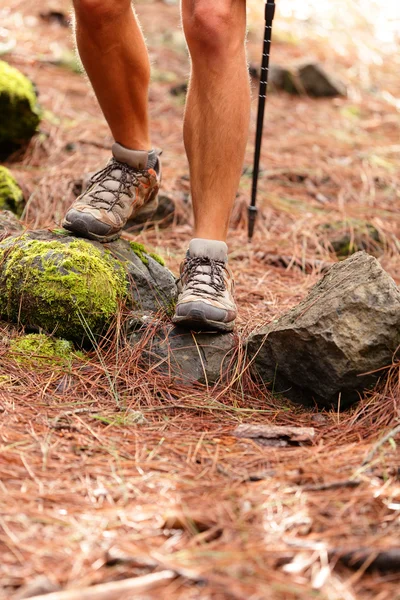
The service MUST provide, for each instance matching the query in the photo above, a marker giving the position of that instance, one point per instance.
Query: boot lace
(127, 179)
(192, 274)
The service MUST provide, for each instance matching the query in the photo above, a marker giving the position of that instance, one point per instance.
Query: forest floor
(89, 496)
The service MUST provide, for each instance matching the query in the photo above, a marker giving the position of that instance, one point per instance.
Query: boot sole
(199, 323)
(80, 228)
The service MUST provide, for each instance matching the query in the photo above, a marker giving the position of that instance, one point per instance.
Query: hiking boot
(205, 300)
(128, 183)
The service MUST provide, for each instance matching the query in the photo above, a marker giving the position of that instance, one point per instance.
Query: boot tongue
(138, 159)
(213, 249)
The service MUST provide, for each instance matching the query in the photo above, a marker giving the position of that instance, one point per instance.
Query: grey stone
(283, 78)
(307, 78)
(279, 77)
(174, 207)
(9, 224)
(325, 349)
(72, 286)
(317, 82)
(182, 355)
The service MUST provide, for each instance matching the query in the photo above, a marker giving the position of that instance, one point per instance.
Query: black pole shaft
(269, 15)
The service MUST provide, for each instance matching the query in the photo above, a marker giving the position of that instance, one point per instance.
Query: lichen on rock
(19, 110)
(11, 196)
(72, 287)
(42, 350)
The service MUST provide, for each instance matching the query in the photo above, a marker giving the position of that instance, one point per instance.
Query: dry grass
(88, 493)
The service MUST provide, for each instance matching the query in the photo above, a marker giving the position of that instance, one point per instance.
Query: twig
(378, 445)
(114, 589)
(335, 485)
(382, 560)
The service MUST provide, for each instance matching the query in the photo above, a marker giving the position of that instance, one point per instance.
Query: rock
(174, 207)
(161, 213)
(42, 349)
(325, 349)
(309, 78)
(57, 16)
(317, 82)
(179, 90)
(275, 435)
(280, 78)
(72, 287)
(9, 224)
(350, 236)
(20, 114)
(184, 356)
(283, 78)
(11, 196)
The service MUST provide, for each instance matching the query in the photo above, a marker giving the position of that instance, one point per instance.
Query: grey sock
(138, 159)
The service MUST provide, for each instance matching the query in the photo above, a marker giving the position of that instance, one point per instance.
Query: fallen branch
(273, 435)
(114, 589)
(334, 485)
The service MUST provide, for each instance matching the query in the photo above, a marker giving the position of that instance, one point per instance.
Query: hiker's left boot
(128, 184)
(206, 285)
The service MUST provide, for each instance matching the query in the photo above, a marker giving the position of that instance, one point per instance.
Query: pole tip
(252, 214)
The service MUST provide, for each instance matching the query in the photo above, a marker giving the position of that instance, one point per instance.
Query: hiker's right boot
(127, 185)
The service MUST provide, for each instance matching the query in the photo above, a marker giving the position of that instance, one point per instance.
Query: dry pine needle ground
(107, 471)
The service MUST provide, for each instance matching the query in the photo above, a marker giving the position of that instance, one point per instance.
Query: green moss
(140, 251)
(41, 349)
(55, 285)
(20, 114)
(11, 196)
(143, 254)
(157, 258)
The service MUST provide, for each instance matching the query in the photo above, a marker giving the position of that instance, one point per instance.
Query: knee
(101, 11)
(213, 27)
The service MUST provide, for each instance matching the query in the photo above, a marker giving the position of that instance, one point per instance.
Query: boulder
(307, 78)
(9, 224)
(160, 213)
(11, 196)
(279, 77)
(19, 110)
(184, 356)
(316, 81)
(72, 287)
(327, 349)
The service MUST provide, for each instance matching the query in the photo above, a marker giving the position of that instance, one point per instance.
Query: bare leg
(114, 54)
(217, 109)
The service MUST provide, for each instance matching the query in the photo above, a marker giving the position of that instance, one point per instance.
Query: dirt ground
(88, 495)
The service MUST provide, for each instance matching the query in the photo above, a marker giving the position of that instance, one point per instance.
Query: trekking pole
(269, 15)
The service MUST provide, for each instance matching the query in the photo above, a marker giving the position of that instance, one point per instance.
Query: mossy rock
(42, 349)
(350, 236)
(9, 224)
(19, 110)
(73, 287)
(11, 196)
